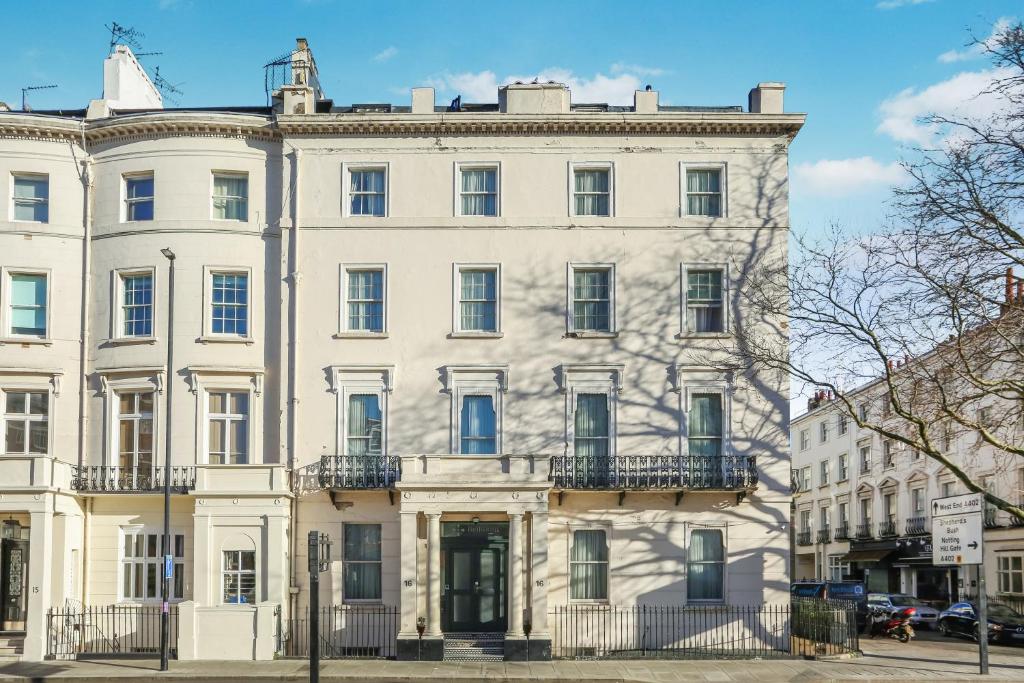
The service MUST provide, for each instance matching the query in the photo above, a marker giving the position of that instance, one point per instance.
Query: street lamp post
(168, 568)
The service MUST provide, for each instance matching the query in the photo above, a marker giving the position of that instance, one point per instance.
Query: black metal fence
(113, 479)
(355, 631)
(705, 632)
(726, 472)
(359, 471)
(110, 630)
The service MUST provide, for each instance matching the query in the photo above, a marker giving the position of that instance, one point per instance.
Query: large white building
(460, 340)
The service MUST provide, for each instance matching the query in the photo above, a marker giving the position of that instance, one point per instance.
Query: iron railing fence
(109, 631)
(887, 529)
(917, 526)
(724, 472)
(864, 531)
(842, 531)
(803, 538)
(824, 535)
(359, 471)
(805, 628)
(114, 479)
(346, 631)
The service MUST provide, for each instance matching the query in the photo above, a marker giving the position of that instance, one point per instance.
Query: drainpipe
(293, 279)
(83, 348)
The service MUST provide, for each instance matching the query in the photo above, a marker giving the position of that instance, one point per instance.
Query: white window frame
(209, 336)
(179, 562)
(207, 378)
(348, 380)
(7, 274)
(570, 317)
(475, 380)
(691, 380)
(805, 439)
(125, 201)
(842, 424)
(841, 507)
(572, 529)
(346, 187)
(825, 518)
(824, 473)
(843, 465)
(345, 561)
(226, 173)
(586, 378)
(835, 564)
(862, 466)
(608, 166)
(724, 528)
(36, 385)
(457, 269)
(723, 170)
(35, 176)
(1009, 572)
(461, 166)
(224, 572)
(344, 331)
(684, 273)
(117, 319)
(823, 434)
(228, 419)
(805, 478)
(130, 379)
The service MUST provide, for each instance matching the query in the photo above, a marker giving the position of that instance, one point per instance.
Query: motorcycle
(892, 624)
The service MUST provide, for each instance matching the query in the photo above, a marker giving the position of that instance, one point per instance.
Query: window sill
(703, 335)
(476, 335)
(26, 341)
(590, 602)
(24, 455)
(207, 339)
(590, 334)
(360, 335)
(127, 341)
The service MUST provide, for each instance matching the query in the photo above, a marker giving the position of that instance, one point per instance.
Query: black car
(1005, 624)
(848, 591)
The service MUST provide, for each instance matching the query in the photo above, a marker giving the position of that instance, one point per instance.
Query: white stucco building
(458, 340)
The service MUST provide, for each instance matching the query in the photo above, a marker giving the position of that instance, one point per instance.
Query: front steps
(11, 648)
(474, 647)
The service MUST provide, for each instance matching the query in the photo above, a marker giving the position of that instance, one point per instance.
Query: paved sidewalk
(888, 661)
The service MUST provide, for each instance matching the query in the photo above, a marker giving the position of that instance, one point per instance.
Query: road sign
(957, 530)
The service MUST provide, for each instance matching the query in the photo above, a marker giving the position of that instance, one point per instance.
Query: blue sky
(861, 69)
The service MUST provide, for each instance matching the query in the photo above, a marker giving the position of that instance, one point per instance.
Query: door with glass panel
(474, 560)
(13, 583)
(705, 467)
(135, 440)
(363, 464)
(592, 441)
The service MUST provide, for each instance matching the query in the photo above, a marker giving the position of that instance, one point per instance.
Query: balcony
(824, 535)
(803, 538)
(113, 479)
(991, 520)
(1017, 521)
(887, 529)
(917, 526)
(864, 532)
(619, 472)
(359, 471)
(842, 532)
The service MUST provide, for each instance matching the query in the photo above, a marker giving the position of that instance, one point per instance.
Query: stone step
(474, 647)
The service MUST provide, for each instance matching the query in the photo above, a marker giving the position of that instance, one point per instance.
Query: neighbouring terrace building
(473, 344)
(862, 507)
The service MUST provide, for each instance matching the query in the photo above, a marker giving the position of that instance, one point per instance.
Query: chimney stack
(767, 98)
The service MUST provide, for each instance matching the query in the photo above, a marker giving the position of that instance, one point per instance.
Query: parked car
(1005, 624)
(850, 591)
(924, 615)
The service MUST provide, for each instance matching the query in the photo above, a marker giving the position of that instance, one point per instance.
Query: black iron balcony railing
(1017, 521)
(887, 529)
(803, 538)
(359, 471)
(917, 526)
(710, 472)
(991, 520)
(842, 531)
(863, 531)
(824, 535)
(114, 479)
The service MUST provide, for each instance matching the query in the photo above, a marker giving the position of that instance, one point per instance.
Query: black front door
(474, 561)
(13, 584)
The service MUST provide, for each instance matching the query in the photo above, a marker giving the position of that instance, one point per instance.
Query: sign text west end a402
(957, 530)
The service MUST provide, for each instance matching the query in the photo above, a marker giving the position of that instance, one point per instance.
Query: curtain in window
(362, 562)
(367, 193)
(591, 425)
(366, 300)
(705, 566)
(589, 566)
(478, 425)
(28, 304)
(703, 193)
(230, 197)
(364, 425)
(705, 424)
(591, 193)
(704, 301)
(479, 192)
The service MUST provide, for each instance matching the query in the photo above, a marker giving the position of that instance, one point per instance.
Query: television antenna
(124, 35)
(168, 90)
(26, 90)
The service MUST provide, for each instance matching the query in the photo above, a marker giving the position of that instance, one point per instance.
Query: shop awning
(866, 555)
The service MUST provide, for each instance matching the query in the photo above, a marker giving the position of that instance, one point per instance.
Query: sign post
(957, 541)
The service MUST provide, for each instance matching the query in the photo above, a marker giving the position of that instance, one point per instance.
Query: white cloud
(844, 177)
(960, 96)
(482, 86)
(621, 68)
(385, 54)
(977, 49)
(894, 4)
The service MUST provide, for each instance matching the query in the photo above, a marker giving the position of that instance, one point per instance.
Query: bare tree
(927, 311)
